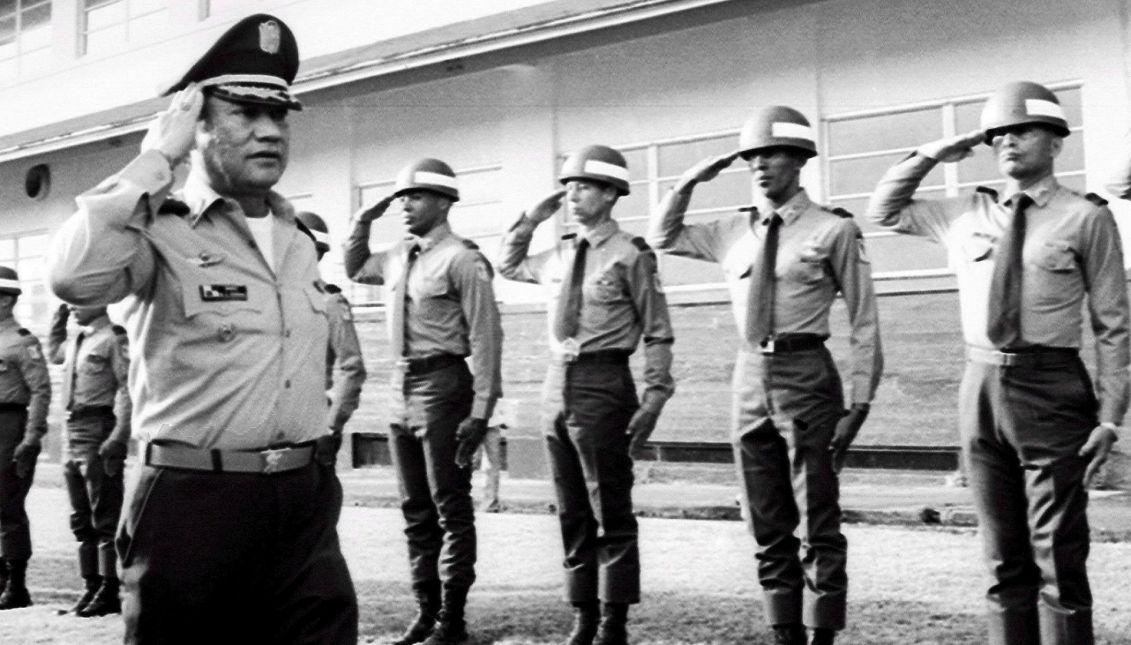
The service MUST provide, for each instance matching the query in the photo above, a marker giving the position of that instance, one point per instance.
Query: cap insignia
(269, 36)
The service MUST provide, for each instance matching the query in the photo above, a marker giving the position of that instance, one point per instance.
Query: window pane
(7, 30)
(884, 132)
(38, 16)
(8, 52)
(634, 204)
(850, 176)
(105, 15)
(482, 186)
(217, 7)
(1078, 183)
(7, 7)
(729, 189)
(637, 163)
(677, 157)
(8, 69)
(149, 26)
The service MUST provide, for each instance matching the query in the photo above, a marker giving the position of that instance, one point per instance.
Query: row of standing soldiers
(230, 535)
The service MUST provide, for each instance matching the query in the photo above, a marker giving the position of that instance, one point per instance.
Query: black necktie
(1004, 314)
(760, 299)
(569, 300)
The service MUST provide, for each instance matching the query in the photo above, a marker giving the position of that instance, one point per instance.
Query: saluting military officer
(25, 393)
(605, 295)
(785, 261)
(231, 533)
(97, 399)
(441, 309)
(1033, 431)
(345, 368)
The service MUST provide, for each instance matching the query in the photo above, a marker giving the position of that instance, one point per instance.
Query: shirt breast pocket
(603, 288)
(95, 364)
(808, 269)
(977, 248)
(223, 300)
(1056, 256)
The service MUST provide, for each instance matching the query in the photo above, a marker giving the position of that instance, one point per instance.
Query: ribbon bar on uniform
(271, 460)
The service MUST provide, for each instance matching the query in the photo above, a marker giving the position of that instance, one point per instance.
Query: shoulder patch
(469, 244)
(174, 207)
(753, 210)
(332, 288)
(483, 269)
(1096, 199)
(838, 211)
(23, 332)
(118, 329)
(986, 191)
(640, 244)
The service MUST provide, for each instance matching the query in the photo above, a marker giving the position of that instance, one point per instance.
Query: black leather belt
(417, 366)
(604, 357)
(13, 407)
(790, 344)
(88, 412)
(1026, 357)
(266, 461)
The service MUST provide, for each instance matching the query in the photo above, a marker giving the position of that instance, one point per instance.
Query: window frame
(130, 19)
(20, 52)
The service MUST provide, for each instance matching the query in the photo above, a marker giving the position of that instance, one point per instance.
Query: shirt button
(287, 333)
(251, 243)
(287, 383)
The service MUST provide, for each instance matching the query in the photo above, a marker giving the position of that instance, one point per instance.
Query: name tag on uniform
(223, 292)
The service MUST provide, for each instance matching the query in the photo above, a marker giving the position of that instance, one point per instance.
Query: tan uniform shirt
(345, 369)
(621, 299)
(23, 375)
(226, 353)
(1071, 248)
(819, 254)
(450, 303)
(96, 373)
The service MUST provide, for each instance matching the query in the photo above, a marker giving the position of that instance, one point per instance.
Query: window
(25, 37)
(25, 254)
(211, 8)
(478, 216)
(655, 167)
(108, 24)
(862, 146)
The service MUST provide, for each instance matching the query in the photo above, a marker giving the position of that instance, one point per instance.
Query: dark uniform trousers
(1021, 430)
(15, 536)
(213, 557)
(96, 498)
(785, 411)
(587, 407)
(435, 492)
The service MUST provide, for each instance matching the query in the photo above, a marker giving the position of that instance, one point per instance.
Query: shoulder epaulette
(639, 243)
(753, 210)
(1096, 199)
(174, 207)
(118, 329)
(332, 288)
(23, 332)
(569, 236)
(986, 191)
(838, 211)
(469, 244)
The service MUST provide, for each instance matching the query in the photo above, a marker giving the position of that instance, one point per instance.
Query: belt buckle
(768, 346)
(570, 350)
(272, 457)
(1007, 359)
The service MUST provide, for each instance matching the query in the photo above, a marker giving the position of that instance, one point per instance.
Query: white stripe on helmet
(595, 167)
(788, 130)
(1041, 107)
(434, 178)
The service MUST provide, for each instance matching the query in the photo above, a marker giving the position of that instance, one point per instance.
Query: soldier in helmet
(1033, 428)
(605, 295)
(230, 534)
(345, 369)
(441, 310)
(25, 393)
(96, 396)
(791, 428)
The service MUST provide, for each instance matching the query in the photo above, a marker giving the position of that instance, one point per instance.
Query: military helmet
(428, 174)
(317, 227)
(777, 126)
(1020, 103)
(9, 281)
(597, 163)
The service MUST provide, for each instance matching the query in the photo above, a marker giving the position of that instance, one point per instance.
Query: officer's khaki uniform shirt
(226, 353)
(23, 375)
(621, 299)
(345, 369)
(1072, 247)
(449, 302)
(819, 254)
(96, 374)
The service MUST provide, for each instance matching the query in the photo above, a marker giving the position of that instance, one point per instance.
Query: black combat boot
(105, 601)
(823, 636)
(450, 626)
(428, 607)
(586, 615)
(789, 634)
(613, 629)
(15, 593)
(88, 567)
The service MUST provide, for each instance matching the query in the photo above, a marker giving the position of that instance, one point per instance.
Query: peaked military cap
(255, 61)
